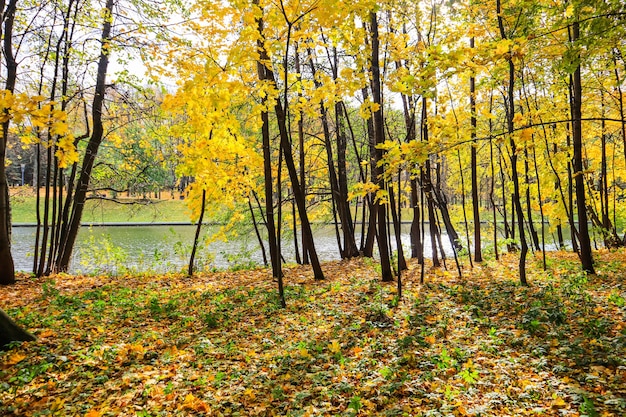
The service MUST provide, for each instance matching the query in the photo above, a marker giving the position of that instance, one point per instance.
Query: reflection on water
(158, 248)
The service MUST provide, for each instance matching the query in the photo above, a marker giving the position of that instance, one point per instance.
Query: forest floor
(220, 345)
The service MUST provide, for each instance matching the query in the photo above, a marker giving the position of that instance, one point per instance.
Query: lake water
(163, 248)
(159, 248)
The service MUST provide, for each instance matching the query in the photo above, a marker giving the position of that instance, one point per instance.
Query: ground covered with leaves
(220, 345)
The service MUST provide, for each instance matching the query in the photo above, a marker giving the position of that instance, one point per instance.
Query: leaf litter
(220, 345)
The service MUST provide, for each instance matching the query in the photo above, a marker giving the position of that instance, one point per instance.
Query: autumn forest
(494, 131)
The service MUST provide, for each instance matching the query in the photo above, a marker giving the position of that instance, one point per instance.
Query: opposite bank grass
(133, 210)
(220, 345)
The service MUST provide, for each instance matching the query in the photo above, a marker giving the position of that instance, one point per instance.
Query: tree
(510, 124)
(379, 137)
(7, 269)
(68, 238)
(586, 257)
(11, 332)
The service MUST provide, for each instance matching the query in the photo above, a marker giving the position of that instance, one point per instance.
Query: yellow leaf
(59, 128)
(46, 333)
(195, 404)
(15, 358)
(558, 402)
(249, 392)
(503, 46)
(334, 346)
(57, 404)
(430, 339)
(92, 413)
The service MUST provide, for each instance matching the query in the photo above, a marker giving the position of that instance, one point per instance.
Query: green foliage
(588, 408)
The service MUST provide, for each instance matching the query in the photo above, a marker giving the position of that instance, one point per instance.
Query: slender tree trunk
(510, 107)
(586, 257)
(196, 238)
(467, 236)
(302, 164)
(368, 248)
(397, 226)
(417, 245)
(347, 224)
(478, 256)
(267, 170)
(383, 245)
(258, 233)
(531, 225)
(620, 99)
(296, 248)
(570, 192)
(7, 268)
(493, 184)
(93, 145)
(280, 112)
(505, 217)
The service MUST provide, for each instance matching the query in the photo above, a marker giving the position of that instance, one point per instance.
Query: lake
(166, 248)
(155, 248)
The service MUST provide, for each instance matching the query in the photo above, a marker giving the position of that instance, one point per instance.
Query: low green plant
(101, 256)
(355, 404)
(617, 299)
(588, 408)
(211, 320)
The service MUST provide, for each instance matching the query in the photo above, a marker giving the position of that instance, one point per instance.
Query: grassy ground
(23, 204)
(220, 345)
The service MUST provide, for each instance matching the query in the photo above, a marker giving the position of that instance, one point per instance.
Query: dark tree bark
(11, 332)
(196, 237)
(337, 177)
(7, 268)
(417, 245)
(267, 171)
(570, 190)
(281, 118)
(381, 212)
(586, 257)
(257, 232)
(478, 256)
(493, 184)
(510, 114)
(368, 248)
(80, 195)
(301, 161)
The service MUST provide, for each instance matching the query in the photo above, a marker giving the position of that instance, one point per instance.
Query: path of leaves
(219, 344)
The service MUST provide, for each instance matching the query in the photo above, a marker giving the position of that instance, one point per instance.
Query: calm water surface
(157, 248)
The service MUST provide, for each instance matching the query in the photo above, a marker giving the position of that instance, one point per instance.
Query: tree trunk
(478, 256)
(586, 257)
(11, 332)
(301, 161)
(281, 116)
(510, 114)
(267, 171)
(7, 268)
(381, 212)
(80, 196)
(196, 237)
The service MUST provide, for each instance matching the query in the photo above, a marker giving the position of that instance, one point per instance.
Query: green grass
(104, 211)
